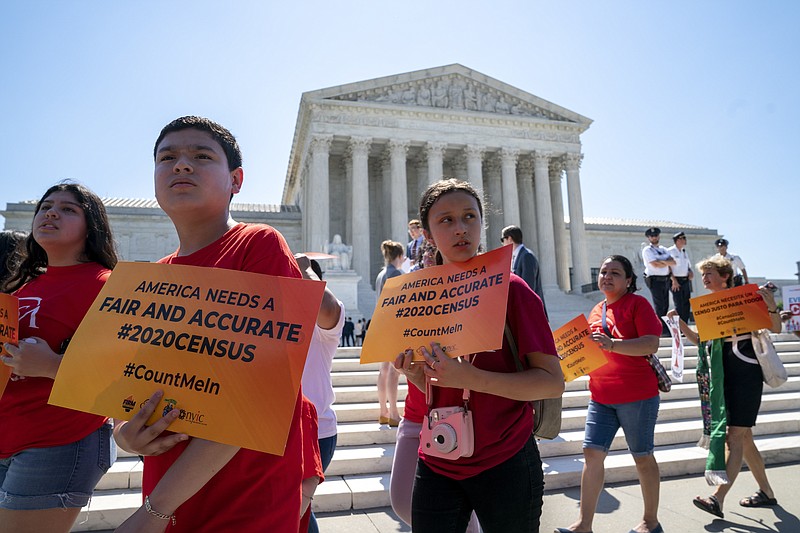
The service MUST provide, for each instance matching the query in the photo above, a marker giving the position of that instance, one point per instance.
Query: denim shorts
(58, 476)
(637, 420)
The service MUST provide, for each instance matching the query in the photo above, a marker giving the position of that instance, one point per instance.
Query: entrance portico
(364, 152)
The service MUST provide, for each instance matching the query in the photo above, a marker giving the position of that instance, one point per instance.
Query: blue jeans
(326, 448)
(506, 498)
(637, 420)
(58, 476)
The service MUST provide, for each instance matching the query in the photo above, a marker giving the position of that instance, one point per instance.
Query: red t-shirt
(255, 491)
(51, 307)
(625, 378)
(502, 426)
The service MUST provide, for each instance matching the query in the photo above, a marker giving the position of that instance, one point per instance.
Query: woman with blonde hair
(728, 370)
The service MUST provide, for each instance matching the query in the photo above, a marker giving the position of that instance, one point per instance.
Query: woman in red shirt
(51, 458)
(624, 392)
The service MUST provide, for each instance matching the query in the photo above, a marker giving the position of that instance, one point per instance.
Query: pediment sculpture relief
(449, 93)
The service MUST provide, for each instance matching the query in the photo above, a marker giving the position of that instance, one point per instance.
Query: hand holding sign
(135, 436)
(460, 305)
(579, 355)
(731, 311)
(9, 328)
(226, 347)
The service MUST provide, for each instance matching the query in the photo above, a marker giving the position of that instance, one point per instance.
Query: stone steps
(358, 477)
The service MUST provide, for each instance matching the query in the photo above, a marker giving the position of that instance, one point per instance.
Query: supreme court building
(363, 153)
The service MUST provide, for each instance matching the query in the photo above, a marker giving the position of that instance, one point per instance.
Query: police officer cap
(721, 242)
(678, 236)
(652, 232)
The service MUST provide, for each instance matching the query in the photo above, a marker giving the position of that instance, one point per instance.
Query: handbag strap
(429, 391)
(605, 326)
(512, 345)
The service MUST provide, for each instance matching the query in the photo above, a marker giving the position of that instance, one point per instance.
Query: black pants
(659, 288)
(506, 498)
(681, 298)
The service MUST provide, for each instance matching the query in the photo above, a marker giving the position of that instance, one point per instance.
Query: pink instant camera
(447, 432)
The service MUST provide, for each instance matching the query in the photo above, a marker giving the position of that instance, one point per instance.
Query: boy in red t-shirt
(191, 484)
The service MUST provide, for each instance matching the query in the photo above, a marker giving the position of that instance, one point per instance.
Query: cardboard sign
(791, 303)
(676, 361)
(578, 353)
(730, 312)
(226, 347)
(9, 332)
(461, 306)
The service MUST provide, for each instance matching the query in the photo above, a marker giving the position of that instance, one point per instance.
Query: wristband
(160, 516)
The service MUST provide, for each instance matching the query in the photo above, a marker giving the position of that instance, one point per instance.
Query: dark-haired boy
(194, 484)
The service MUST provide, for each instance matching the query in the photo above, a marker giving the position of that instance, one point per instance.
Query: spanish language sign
(9, 332)
(461, 306)
(729, 312)
(791, 303)
(226, 347)
(578, 353)
(676, 360)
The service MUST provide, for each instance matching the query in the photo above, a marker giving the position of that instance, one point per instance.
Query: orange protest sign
(9, 332)
(461, 306)
(729, 312)
(226, 347)
(578, 353)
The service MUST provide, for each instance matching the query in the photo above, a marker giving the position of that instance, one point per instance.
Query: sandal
(709, 505)
(759, 499)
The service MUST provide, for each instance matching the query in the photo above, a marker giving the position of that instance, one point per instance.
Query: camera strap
(429, 391)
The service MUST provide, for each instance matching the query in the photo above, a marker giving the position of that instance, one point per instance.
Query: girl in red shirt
(51, 458)
(502, 480)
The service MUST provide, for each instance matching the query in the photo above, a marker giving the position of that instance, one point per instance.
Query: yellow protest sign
(730, 312)
(226, 347)
(461, 306)
(578, 353)
(9, 332)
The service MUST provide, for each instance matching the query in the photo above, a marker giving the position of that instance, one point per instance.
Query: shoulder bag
(771, 365)
(546, 412)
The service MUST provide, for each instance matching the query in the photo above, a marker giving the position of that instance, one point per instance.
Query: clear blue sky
(695, 104)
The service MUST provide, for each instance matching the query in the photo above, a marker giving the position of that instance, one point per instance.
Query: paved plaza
(621, 505)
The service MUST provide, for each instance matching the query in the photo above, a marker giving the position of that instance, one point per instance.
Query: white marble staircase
(358, 477)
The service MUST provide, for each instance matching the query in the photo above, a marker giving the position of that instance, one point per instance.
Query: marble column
(386, 195)
(459, 164)
(581, 273)
(495, 197)
(559, 229)
(435, 154)
(421, 166)
(508, 158)
(399, 191)
(527, 205)
(358, 150)
(474, 155)
(544, 219)
(347, 171)
(318, 192)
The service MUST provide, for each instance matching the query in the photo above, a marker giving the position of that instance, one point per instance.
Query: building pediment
(452, 87)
